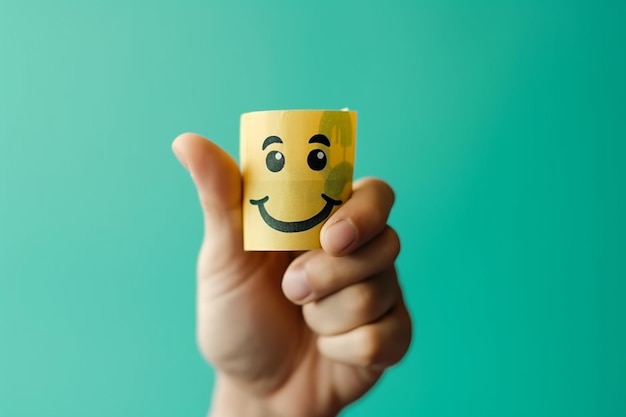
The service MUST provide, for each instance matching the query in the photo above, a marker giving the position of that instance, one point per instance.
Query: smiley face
(296, 169)
(275, 161)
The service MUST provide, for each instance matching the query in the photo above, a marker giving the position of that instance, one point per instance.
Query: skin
(294, 334)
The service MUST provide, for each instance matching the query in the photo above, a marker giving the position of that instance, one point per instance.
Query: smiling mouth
(299, 226)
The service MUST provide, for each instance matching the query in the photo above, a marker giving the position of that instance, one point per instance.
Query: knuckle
(387, 191)
(323, 279)
(376, 203)
(369, 346)
(401, 347)
(362, 299)
(370, 221)
(392, 242)
(382, 188)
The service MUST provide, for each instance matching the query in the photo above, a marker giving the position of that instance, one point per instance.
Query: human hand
(294, 334)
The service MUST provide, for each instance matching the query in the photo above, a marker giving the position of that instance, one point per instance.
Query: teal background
(501, 127)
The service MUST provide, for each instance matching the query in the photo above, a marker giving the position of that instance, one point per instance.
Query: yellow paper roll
(297, 170)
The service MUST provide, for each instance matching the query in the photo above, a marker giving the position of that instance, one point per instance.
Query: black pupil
(275, 161)
(317, 159)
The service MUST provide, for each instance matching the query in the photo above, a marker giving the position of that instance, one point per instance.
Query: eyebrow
(271, 139)
(319, 138)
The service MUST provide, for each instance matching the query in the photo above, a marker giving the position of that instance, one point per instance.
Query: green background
(501, 127)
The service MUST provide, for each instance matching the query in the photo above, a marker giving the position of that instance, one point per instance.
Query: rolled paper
(297, 168)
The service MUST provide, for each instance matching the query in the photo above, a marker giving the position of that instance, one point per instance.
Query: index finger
(360, 219)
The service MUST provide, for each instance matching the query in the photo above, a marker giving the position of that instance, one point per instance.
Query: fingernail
(340, 236)
(295, 284)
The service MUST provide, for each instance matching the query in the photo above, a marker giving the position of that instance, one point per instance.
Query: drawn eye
(317, 160)
(275, 161)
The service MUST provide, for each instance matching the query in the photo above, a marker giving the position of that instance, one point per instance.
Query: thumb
(218, 182)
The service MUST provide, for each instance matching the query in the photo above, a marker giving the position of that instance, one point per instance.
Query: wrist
(230, 400)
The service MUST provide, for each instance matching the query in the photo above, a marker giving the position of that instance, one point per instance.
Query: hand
(294, 334)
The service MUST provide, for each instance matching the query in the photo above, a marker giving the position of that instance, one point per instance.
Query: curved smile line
(299, 226)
